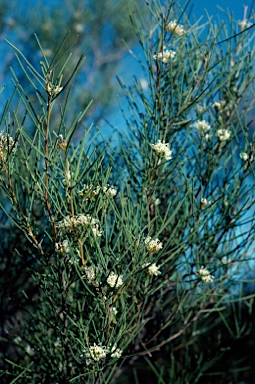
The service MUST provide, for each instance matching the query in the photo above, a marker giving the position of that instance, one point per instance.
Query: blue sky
(211, 6)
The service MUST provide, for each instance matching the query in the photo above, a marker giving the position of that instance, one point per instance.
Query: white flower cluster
(205, 275)
(223, 134)
(115, 281)
(53, 90)
(6, 145)
(162, 149)
(165, 56)
(116, 352)
(90, 192)
(62, 247)
(175, 28)
(70, 224)
(245, 156)
(153, 270)
(202, 126)
(96, 353)
(110, 191)
(153, 246)
(91, 275)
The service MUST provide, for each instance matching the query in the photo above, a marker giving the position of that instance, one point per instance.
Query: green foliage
(131, 255)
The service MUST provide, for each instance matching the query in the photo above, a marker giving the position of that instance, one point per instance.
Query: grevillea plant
(132, 249)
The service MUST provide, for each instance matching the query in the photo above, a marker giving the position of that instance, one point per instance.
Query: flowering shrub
(132, 250)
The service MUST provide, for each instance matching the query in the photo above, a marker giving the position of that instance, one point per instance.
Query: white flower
(204, 202)
(30, 351)
(201, 108)
(202, 126)
(70, 224)
(223, 134)
(115, 281)
(165, 56)
(153, 270)
(63, 247)
(175, 28)
(114, 311)
(205, 275)
(225, 260)
(208, 137)
(162, 149)
(157, 201)
(91, 274)
(53, 90)
(97, 232)
(89, 192)
(219, 105)
(6, 145)
(244, 24)
(110, 191)
(144, 84)
(79, 27)
(153, 246)
(116, 352)
(95, 353)
(244, 156)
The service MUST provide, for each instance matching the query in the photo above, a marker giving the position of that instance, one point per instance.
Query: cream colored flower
(202, 126)
(223, 134)
(208, 137)
(115, 281)
(95, 353)
(89, 192)
(78, 27)
(205, 275)
(175, 28)
(70, 224)
(225, 260)
(110, 191)
(219, 105)
(244, 24)
(63, 247)
(153, 246)
(244, 156)
(91, 275)
(30, 351)
(205, 202)
(116, 352)
(162, 149)
(7, 144)
(153, 270)
(165, 56)
(53, 90)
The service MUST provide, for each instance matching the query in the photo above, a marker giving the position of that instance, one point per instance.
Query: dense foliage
(127, 260)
